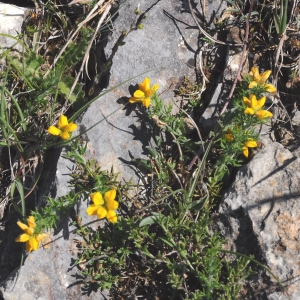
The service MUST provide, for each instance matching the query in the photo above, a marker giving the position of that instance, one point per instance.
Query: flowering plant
(255, 107)
(104, 207)
(259, 80)
(144, 93)
(30, 237)
(63, 128)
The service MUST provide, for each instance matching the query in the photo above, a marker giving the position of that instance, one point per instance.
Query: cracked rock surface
(261, 213)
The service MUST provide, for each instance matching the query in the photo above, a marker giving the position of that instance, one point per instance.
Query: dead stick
(235, 81)
(89, 17)
(241, 62)
(104, 15)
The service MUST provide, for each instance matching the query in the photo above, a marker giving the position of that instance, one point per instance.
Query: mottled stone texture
(12, 18)
(263, 205)
(165, 49)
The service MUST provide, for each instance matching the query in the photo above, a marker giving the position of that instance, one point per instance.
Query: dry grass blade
(86, 56)
(205, 33)
(89, 17)
(242, 59)
(279, 51)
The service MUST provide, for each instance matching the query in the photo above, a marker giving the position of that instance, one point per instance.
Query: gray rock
(49, 272)
(164, 49)
(225, 80)
(261, 213)
(11, 20)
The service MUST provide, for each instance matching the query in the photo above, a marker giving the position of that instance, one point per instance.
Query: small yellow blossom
(249, 144)
(63, 128)
(254, 107)
(144, 93)
(32, 239)
(104, 207)
(260, 80)
(229, 136)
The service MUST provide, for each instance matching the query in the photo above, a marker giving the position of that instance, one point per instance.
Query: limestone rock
(162, 49)
(11, 20)
(261, 213)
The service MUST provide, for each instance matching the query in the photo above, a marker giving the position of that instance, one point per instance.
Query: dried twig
(86, 56)
(205, 33)
(279, 51)
(242, 60)
(90, 16)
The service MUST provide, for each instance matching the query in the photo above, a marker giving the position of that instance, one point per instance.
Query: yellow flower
(229, 136)
(254, 107)
(104, 207)
(249, 144)
(144, 93)
(32, 239)
(97, 208)
(260, 80)
(63, 128)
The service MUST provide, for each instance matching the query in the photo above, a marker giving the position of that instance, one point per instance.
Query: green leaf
(19, 186)
(167, 242)
(142, 163)
(150, 219)
(7, 126)
(156, 135)
(152, 151)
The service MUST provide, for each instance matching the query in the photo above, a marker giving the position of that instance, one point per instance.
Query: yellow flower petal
(62, 121)
(110, 195)
(252, 84)
(155, 88)
(253, 101)
(92, 209)
(30, 231)
(254, 71)
(97, 198)
(70, 127)
(264, 76)
(139, 94)
(270, 88)
(146, 102)
(31, 221)
(249, 111)
(23, 226)
(54, 130)
(251, 144)
(41, 236)
(65, 135)
(32, 244)
(101, 212)
(247, 101)
(261, 102)
(22, 238)
(262, 114)
(134, 100)
(245, 151)
(112, 204)
(112, 216)
(145, 85)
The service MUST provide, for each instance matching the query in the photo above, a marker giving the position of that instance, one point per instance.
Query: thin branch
(241, 62)
(90, 16)
(205, 33)
(86, 56)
